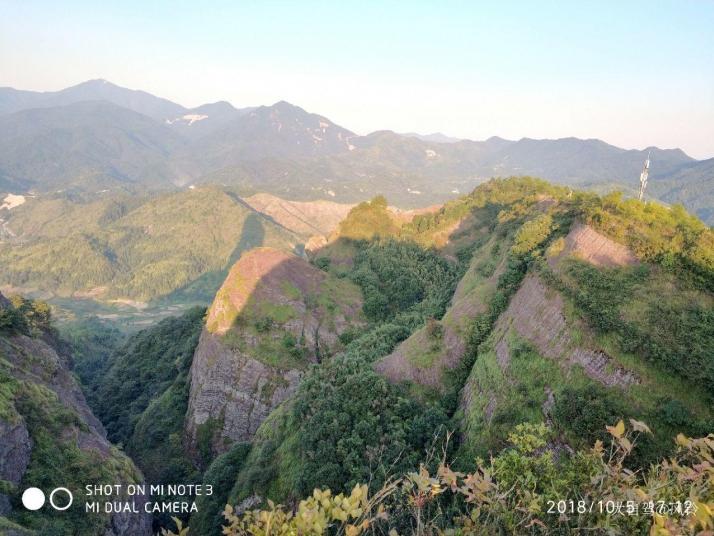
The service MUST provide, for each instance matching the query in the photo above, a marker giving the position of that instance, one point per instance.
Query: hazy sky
(631, 73)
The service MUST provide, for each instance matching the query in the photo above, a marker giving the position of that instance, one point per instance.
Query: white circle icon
(52, 499)
(33, 498)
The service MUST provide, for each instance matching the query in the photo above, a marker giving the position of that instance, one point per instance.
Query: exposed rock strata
(587, 244)
(234, 390)
(536, 314)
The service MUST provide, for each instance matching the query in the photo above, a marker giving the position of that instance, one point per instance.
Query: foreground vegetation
(532, 487)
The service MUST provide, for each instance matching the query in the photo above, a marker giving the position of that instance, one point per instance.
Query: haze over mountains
(97, 136)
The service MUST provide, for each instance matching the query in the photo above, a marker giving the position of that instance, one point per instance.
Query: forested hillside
(523, 337)
(517, 322)
(136, 249)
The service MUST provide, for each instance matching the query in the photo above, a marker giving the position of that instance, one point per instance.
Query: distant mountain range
(14, 100)
(97, 136)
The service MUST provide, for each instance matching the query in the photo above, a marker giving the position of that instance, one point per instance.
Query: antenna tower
(643, 177)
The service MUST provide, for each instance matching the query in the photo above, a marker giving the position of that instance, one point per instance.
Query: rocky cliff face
(536, 314)
(274, 315)
(42, 413)
(586, 243)
(540, 338)
(232, 393)
(15, 449)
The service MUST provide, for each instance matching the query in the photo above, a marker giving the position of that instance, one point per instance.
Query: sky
(634, 74)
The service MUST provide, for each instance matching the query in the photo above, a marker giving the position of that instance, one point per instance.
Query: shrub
(526, 489)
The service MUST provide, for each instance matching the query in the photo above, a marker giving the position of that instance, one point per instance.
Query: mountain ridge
(284, 150)
(97, 89)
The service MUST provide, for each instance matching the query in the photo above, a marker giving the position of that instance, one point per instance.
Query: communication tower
(643, 177)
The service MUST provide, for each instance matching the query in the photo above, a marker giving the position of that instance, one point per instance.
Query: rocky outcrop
(274, 315)
(37, 386)
(561, 344)
(233, 392)
(422, 358)
(587, 244)
(15, 449)
(536, 314)
(429, 352)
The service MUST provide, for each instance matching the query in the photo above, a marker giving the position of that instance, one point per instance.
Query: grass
(290, 291)
(662, 323)
(278, 312)
(655, 383)
(271, 351)
(423, 351)
(8, 386)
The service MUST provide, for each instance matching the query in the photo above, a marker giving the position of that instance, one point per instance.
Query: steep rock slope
(274, 315)
(49, 435)
(587, 244)
(430, 353)
(536, 314)
(568, 335)
(439, 346)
